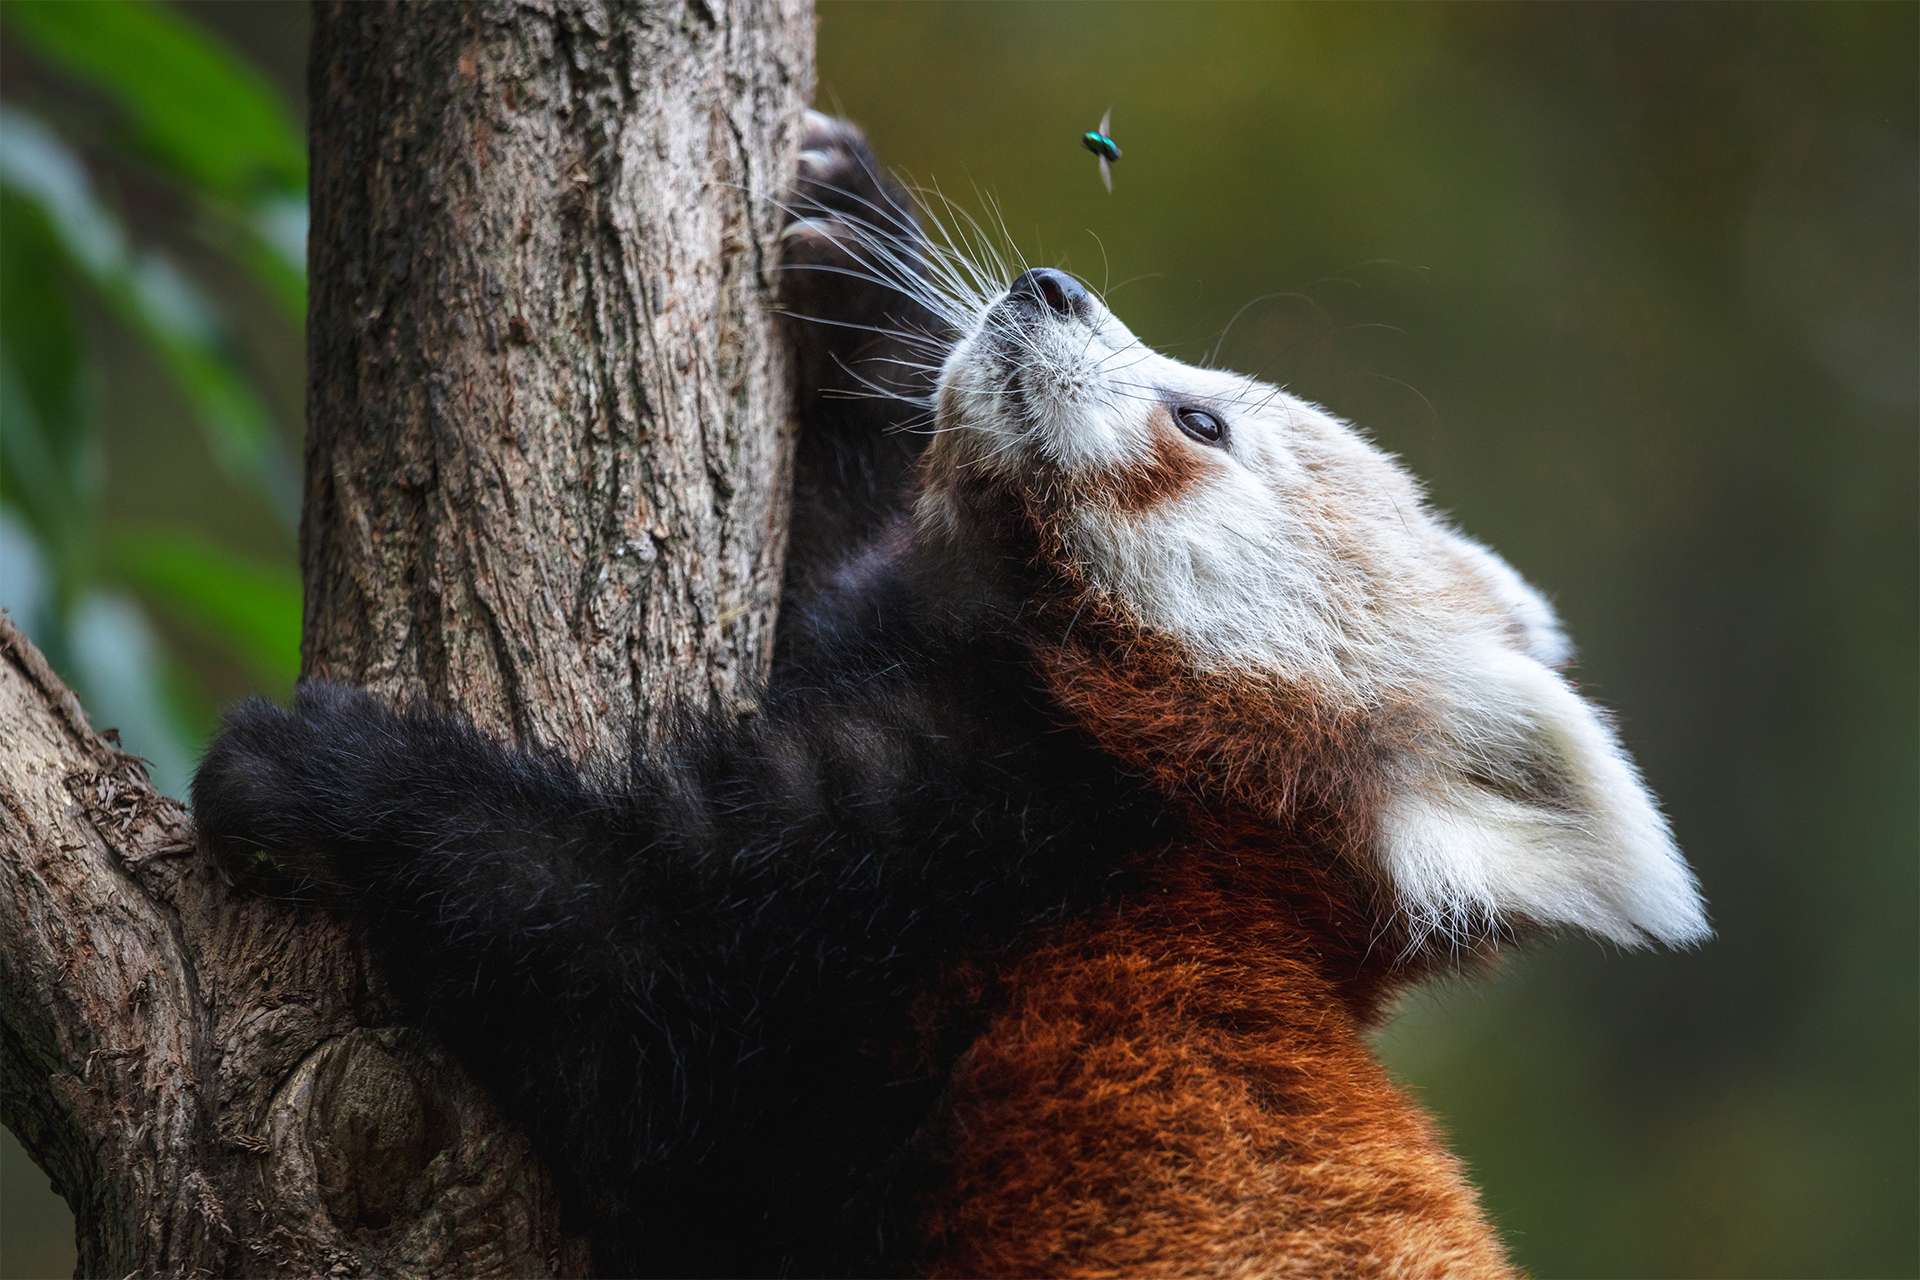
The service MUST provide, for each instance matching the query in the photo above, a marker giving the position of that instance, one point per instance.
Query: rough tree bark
(547, 461)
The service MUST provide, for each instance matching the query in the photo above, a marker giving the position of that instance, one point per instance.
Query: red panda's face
(1278, 554)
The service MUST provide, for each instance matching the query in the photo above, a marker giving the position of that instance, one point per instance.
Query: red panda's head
(1253, 604)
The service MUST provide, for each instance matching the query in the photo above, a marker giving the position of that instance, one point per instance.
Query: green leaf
(40, 168)
(252, 608)
(50, 465)
(192, 104)
(268, 240)
(273, 247)
(157, 300)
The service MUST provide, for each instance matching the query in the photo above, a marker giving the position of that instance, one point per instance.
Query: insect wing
(1106, 174)
(1106, 123)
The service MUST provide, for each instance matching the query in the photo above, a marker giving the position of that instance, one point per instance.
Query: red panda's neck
(1275, 785)
(1278, 784)
(1175, 1087)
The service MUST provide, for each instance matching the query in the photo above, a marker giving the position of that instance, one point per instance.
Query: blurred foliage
(204, 155)
(1633, 287)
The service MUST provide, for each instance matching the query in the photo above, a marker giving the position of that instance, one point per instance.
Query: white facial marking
(1299, 551)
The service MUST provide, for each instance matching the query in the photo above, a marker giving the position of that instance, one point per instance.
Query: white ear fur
(1534, 620)
(1525, 806)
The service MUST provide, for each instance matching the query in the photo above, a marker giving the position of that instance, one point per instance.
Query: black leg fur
(690, 976)
(855, 455)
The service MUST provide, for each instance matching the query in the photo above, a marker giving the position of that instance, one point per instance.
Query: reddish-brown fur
(1179, 1090)
(1182, 1086)
(1168, 471)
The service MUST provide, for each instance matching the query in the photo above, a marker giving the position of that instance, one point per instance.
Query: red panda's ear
(1523, 807)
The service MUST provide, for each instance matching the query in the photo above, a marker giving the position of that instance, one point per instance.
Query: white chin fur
(1072, 392)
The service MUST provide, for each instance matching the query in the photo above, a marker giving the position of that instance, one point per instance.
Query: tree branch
(101, 1010)
(209, 1079)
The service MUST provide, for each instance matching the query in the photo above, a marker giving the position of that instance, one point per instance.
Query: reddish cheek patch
(1172, 467)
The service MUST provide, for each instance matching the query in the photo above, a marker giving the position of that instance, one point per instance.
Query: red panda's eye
(1201, 425)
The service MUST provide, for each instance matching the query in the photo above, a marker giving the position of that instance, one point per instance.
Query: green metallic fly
(1105, 148)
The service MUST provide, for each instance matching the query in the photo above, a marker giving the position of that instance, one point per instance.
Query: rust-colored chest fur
(1181, 1085)
(1177, 1089)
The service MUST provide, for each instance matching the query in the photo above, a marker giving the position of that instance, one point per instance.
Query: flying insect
(1104, 148)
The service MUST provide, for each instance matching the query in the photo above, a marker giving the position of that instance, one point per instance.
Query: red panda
(1098, 806)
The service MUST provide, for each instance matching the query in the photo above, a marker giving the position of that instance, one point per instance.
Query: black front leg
(554, 926)
(684, 975)
(865, 341)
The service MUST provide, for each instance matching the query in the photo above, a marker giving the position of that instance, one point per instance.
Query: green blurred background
(1634, 288)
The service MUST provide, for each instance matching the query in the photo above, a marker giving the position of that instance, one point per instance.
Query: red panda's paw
(851, 234)
(266, 800)
(868, 321)
(839, 179)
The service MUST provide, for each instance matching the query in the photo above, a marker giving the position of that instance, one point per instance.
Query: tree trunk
(547, 441)
(547, 473)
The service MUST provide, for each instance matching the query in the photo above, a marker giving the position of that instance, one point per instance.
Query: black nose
(1056, 291)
